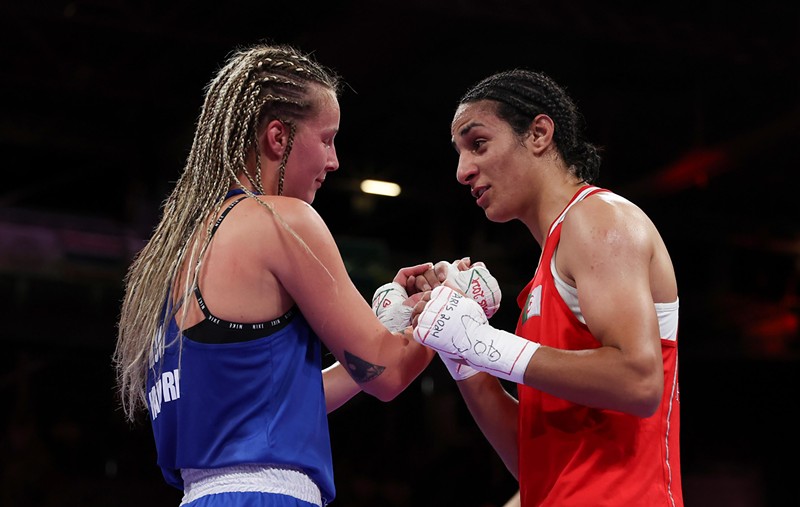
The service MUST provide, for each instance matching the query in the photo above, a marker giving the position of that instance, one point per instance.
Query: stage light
(378, 187)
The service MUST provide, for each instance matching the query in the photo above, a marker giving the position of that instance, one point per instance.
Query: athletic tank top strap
(216, 330)
(582, 194)
(226, 211)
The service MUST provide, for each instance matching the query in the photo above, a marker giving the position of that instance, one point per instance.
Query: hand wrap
(457, 326)
(477, 283)
(458, 368)
(387, 303)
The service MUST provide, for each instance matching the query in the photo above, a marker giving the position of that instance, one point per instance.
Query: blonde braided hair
(254, 86)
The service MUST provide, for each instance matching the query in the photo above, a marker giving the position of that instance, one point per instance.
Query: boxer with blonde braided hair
(227, 306)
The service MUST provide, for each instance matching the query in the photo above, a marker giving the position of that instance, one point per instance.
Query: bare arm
(495, 411)
(514, 501)
(606, 250)
(382, 363)
(339, 386)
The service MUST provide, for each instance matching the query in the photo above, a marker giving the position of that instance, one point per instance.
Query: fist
(448, 322)
(391, 306)
(478, 284)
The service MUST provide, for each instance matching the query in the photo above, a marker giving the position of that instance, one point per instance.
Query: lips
(478, 194)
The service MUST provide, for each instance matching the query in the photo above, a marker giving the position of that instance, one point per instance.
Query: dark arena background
(695, 104)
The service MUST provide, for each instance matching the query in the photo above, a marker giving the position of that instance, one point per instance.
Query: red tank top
(573, 455)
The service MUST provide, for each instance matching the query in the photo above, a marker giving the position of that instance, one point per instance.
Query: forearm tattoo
(361, 371)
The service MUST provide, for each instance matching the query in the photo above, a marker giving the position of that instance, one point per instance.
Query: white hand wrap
(455, 325)
(457, 367)
(387, 303)
(477, 283)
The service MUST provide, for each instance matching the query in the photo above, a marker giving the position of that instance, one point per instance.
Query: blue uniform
(241, 394)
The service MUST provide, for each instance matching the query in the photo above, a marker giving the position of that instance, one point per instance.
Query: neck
(552, 201)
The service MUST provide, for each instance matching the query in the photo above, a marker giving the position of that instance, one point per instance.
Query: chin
(494, 216)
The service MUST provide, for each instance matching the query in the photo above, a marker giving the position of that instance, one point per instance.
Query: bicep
(313, 273)
(610, 265)
(619, 312)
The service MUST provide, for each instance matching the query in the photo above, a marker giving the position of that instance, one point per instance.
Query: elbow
(392, 381)
(645, 386)
(645, 398)
(384, 395)
(645, 409)
(383, 391)
(387, 396)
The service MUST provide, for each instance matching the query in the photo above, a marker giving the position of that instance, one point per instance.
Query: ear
(274, 139)
(541, 133)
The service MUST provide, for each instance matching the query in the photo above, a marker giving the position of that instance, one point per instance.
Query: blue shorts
(249, 486)
(248, 499)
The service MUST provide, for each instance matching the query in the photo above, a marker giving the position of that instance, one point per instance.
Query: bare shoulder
(607, 218)
(605, 230)
(271, 230)
(607, 205)
(267, 213)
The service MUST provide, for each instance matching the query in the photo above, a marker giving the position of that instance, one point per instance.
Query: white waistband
(248, 478)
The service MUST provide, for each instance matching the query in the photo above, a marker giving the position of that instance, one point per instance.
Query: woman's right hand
(421, 277)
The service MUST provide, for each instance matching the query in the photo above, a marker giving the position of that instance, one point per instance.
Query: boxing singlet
(576, 456)
(225, 394)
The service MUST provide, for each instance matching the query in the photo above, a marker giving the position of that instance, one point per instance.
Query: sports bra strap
(216, 330)
(197, 293)
(225, 213)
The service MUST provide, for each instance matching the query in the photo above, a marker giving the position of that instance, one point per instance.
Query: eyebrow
(464, 131)
(469, 126)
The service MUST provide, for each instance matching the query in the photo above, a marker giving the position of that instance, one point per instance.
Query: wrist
(387, 304)
(457, 367)
(457, 326)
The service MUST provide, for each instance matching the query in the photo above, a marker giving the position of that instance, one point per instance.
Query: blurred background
(695, 105)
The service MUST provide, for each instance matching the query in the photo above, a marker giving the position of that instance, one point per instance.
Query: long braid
(523, 94)
(253, 87)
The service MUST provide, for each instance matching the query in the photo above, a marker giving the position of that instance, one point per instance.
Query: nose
(333, 161)
(465, 171)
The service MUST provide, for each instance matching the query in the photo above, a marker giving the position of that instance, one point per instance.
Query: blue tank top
(257, 401)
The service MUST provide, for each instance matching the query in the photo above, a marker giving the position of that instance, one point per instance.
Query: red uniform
(573, 455)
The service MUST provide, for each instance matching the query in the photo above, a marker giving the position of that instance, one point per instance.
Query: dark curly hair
(523, 94)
